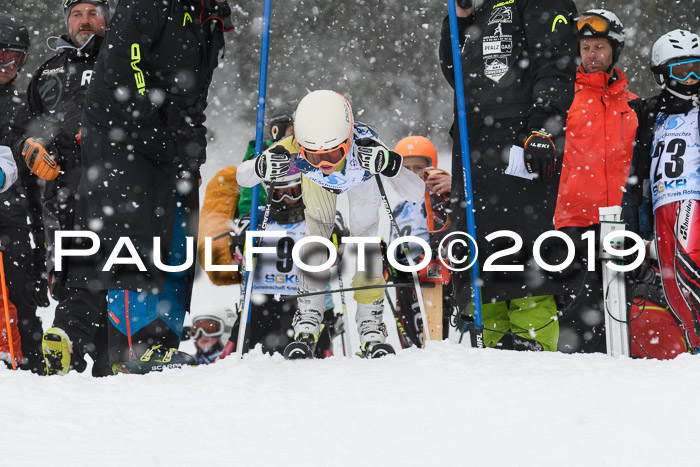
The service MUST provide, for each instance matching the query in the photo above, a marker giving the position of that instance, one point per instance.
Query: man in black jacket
(45, 135)
(23, 264)
(142, 149)
(519, 65)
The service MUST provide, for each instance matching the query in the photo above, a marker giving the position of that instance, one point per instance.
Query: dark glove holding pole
(376, 159)
(540, 155)
(273, 163)
(40, 292)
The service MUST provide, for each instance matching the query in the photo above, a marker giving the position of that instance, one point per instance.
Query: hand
(540, 155)
(438, 182)
(376, 159)
(40, 295)
(39, 160)
(273, 163)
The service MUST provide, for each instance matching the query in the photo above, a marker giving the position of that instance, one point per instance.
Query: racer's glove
(540, 155)
(376, 159)
(273, 163)
(40, 291)
(39, 160)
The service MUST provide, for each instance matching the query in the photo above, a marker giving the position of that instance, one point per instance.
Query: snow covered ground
(447, 405)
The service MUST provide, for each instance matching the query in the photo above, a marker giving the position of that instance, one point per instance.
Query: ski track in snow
(447, 405)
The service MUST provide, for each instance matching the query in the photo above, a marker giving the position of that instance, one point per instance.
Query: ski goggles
(13, 57)
(207, 326)
(681, 71)
(594, 23)
(326, 158)
(292, 191)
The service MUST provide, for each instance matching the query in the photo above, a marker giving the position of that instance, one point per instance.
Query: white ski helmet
(675, 46)
(323, 121)
(213, 321)
(604, 24)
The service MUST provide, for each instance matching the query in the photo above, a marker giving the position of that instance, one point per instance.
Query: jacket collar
(64, 43)
(603, 81)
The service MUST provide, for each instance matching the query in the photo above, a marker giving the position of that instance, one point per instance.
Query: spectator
(600, 131)
(45, 135)
(518, 61)
(142, 148)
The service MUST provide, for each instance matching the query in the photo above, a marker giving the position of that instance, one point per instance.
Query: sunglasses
(12, 56)
(292, 192)
(207, 327)
(326, 158)
(681, 71)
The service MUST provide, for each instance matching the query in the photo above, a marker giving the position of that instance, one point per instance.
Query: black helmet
(13, 34)
(281, 118)
(604, 24)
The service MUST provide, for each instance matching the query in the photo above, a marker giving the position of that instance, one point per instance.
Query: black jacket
(145, 112)
(20, 206)
(52, 111)
(518, 59)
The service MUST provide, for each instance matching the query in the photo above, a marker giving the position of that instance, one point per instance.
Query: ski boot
(57, 349)
(157, 358)
(375, 349)
(303, 346)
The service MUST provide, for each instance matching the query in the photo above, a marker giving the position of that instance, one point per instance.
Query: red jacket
(600, 130)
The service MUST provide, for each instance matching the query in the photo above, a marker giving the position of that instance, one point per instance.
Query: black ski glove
(376, 159)
(273, 163)
(540, 155)
(40, 292)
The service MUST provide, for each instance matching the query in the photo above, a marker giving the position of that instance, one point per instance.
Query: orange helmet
(418, 146)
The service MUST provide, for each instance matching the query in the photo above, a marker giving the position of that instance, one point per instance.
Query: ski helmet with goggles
(287, 204)
(102, 6)
(675, 57)
(281, 118)
(417, 146)
(323, 128)
(603, 24)
(14, 41)
(213, 321)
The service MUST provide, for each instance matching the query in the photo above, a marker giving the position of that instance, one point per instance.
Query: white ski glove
(376, 159)
(273, 163)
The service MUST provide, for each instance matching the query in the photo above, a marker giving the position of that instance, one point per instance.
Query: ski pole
(262, 91)
(348, 349)
(407, 253)
(478, 337)
(7, 311)
(399, 326)
(352, 289)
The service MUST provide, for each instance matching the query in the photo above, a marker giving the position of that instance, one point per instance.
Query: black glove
(273, 163)
(376, 159)
(540, 155)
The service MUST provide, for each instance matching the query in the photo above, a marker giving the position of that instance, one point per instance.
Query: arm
(408, 186)
(8, 169)
(550, 32)
(464, 19)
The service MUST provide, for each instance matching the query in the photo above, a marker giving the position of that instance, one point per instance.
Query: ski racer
(337, 155)
(45, 136)
(600, 129)
(270, 319)
(518, 64)
(667, 155)
(427, 219)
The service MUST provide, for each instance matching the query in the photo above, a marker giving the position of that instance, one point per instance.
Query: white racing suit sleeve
(8, 167)
(407, 185)
(245, 174)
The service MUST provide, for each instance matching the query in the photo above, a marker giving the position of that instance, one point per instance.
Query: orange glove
(39, 160)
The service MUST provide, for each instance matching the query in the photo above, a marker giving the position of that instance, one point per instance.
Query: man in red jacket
(600, 130)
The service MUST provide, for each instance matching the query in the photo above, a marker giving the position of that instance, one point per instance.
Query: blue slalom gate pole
(259, 132)
(478, 334)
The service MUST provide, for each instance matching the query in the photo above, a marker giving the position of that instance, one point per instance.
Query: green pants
(522, 315)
